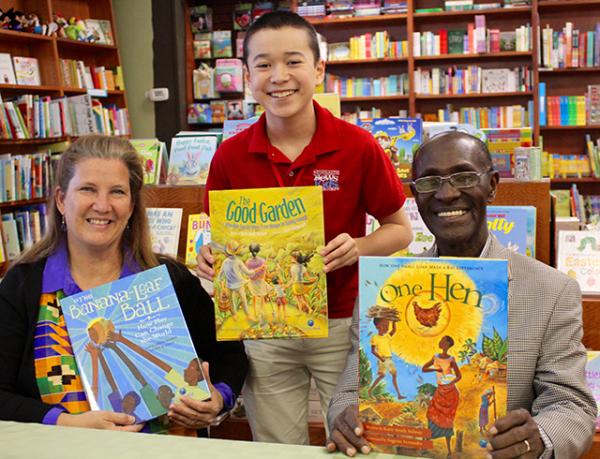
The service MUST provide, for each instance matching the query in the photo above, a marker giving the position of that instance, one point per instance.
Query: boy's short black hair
(277, 20)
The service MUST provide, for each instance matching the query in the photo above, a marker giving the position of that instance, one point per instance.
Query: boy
(381, 347)
(298, 143)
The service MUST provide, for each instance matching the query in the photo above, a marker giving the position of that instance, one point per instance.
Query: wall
(135, 34)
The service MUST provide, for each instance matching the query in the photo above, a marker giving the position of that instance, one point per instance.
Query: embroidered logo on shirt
(328, 179)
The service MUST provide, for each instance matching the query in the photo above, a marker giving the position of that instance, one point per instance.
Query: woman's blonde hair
(137, 236)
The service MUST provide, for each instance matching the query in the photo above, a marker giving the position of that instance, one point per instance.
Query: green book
(456, 41)
(428, 10)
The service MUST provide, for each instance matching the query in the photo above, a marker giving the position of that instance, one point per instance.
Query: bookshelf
(49, 51)
(583, 14)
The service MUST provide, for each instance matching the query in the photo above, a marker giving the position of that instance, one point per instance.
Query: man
(551, 412)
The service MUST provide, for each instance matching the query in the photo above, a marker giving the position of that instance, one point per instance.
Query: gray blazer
(546, 360)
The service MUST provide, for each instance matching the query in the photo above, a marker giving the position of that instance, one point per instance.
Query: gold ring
(528, 446)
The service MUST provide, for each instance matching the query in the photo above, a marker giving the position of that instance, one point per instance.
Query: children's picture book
(592, 377)
(433, 353)
(269, 280)
(165, 225)
(229, 75)
(514, 227)
(190, 159)
(154, 159)
(233, 127)
(101, 30)
(423, 239)
(221, 43)
(7, 74)
(579, 257)
(399, 138)
(132, 345)
(27, 71)
(198, 234)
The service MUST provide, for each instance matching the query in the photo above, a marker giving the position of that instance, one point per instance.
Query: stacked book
(391, 85)
(311, 8)
(569, 47)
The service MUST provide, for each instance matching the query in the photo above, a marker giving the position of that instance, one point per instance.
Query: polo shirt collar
(57, 275)
(325, 139)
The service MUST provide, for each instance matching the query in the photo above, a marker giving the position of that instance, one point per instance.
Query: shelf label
(97, 92)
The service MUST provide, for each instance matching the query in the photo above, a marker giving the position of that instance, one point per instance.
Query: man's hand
(515, 435)
(195, 414)
(347, 434)
(100, 420)
(205, 261)
(340, 251)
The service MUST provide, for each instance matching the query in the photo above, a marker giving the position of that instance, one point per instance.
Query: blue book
(433, 352)
(514, 227)
(132, 345)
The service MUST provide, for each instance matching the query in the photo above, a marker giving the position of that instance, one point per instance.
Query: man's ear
(494, 180)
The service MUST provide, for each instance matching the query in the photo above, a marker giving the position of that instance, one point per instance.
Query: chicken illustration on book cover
(269, 280)
(132, 345)
(433, 353)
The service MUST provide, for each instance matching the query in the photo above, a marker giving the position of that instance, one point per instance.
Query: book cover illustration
(234, 127)
(153, 153)
(592, 377)
(132, 345)
(399, 138)
(514, 227)
(198, 234)
(269, 280)
(579, 257)
(7, 74)
(165, 225)
(27, 71)
(433, 353)
(190, 159)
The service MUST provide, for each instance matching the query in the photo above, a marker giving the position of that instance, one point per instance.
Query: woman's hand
(100, 420)
(195, 414)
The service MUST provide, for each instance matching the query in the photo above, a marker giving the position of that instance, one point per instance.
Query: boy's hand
(340, 251)
(205, 261)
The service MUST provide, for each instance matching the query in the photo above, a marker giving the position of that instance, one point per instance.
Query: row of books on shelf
(26, 176)
(391, 85)
(571, 203)
(32, 116)
(507, 116)
(226, 77)
(19, 70)
(216, 44)
(22, 228)
(475, 39)
(569, 47)
(217, 111)
(472, 80)
(376, 45)
(76, 74)
(570, 110)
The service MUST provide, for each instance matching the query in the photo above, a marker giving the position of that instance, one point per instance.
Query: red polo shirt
(356, 176)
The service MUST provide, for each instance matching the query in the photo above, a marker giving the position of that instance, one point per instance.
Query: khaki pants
(277, 385)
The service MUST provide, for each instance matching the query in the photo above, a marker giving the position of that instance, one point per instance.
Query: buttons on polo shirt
(291, 174)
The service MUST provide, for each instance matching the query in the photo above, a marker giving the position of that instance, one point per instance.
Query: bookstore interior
(521, 75)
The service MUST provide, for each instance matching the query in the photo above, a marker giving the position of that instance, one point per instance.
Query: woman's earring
(63, 225)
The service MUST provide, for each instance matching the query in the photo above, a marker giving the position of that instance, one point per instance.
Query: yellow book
(198, 234)
(269, 280)
(330, 101)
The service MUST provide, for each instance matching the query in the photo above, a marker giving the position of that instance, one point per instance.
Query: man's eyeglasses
(431, 183)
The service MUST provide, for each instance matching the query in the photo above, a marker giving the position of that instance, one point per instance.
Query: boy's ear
(320, 68)
(246, 74)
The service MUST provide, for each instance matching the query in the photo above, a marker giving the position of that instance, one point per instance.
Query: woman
(442, 408)
(258, 285)
(97, 233)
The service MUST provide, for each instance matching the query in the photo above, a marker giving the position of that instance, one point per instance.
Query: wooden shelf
(575, 180)
(23, 36)
(372, 98)
(468, 13)
(570, 128)
(560, 4)
(445, 57)
(40, 141)
(384, 60)
(475, 95)
(29, 88)
(544, 71)
(65, 42)
(356, 19)
(110, 92)
(23, 202)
